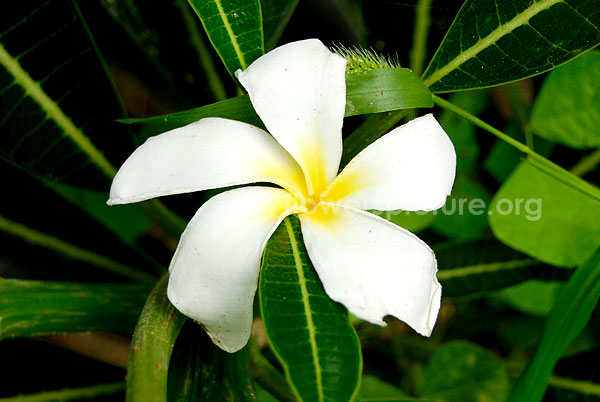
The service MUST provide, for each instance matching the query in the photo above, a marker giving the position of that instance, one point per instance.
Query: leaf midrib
(232, 36)
(305, 301)
(54, 112)
(493, 37)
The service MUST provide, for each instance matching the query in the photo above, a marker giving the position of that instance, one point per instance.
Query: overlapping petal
(411, 168)
(299, 92)
(372, 266)
(210, 153)
(214, 272)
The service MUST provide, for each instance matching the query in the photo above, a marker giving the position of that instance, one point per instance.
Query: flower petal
(214, 272)
(209, 153)
(373, 267)
(299, 92)
(410, 168)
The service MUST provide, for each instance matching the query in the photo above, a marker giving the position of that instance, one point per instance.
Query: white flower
(368, 264)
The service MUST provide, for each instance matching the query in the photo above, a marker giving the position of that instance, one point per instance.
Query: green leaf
(151, 347)
(566, 110)
(234, 28)
(461, 371)
(310, 334)
(50, 81)
(495, 42)
(532, 297)
(567, 319)
(383, 90)
(276, 15)
(485, 264)
(33, 308)
(554, 222)
(239, 108)
(200, 371)
(369, 92)
(374, 388)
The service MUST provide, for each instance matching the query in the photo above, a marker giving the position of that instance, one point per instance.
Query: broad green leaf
(499, 41)
(33, 308)
(50, 81)
(310, 334)
(276, 14)
(151, 347)
(234, 28)
(532, 297)
(567, 110)
(374, 388)
(539, 215)
(483, 265)
(567, 319)
(200, 371)
(383, 90)
(460, 371)
(369, 92)
(239, 108)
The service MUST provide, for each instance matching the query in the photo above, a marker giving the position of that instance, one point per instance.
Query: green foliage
(369, 92)
(57, 128)
(34, 308)
(500, 41)
(198, 370)
(566, 109)
(234, 28)
(560, 226)
(52, 89)
(310, 333)
(151, 347)
(462, 372)
(567, 319)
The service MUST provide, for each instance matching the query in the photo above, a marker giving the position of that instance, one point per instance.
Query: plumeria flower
(368, 264)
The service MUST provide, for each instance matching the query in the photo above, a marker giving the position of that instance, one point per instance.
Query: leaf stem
(583, 387)
(69, 394)
(215, 84)
(587, 164)
(538, 160)
(53, 243)
(419, 45)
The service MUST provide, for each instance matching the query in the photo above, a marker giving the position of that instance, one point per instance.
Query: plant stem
(41, 239)
(69, 394)
(587, 164)
(420, 33)
(583, 387)
(215, 84)
(536, 159)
